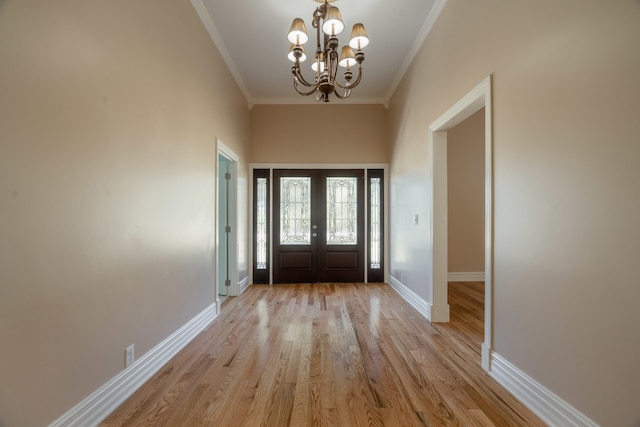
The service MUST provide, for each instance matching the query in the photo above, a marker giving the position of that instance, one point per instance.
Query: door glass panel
(261, 224)
(375, 208)
(295, 210)
(342, 210)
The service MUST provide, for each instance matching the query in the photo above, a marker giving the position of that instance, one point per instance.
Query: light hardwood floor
(329, 354)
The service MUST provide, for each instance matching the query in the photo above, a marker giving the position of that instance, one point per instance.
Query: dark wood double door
(318, 227)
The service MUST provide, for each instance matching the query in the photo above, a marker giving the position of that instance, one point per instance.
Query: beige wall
(108, 117)
(465, 185)
(566, 200)
(290, 134)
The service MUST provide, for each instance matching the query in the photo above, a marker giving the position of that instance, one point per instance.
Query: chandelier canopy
(327, 20)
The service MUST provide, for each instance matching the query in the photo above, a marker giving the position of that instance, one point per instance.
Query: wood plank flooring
(329, 355)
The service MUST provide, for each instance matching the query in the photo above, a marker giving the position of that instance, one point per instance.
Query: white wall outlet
(128, 356)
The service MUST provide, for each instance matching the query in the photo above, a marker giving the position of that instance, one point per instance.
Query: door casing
(477, 98)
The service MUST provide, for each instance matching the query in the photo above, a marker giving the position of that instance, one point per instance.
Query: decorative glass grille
(342, 213)
(295, 210)
(374, 238)
(261, 224)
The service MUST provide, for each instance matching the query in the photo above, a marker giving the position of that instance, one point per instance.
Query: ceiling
(252, 38)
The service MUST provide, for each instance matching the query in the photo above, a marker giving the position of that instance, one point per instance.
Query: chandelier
(327, 20)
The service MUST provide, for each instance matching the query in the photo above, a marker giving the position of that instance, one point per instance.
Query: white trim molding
(311, 100)
(205, 17)
(413, 51)
(102, 402)
(477, 98)
(411, 297)
(243, 285)
(545, 404)
(466, 276)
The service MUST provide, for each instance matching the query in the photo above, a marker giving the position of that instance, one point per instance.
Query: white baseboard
(411, 297)
(466, 276)
(546, 405)
(486, 356)
(102, 402)
(243, 285)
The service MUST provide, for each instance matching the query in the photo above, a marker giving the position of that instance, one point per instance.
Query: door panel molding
(342, 260)
(296, 261)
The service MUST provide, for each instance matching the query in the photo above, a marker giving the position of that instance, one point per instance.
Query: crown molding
(417, 44)
(311, 100)
(204, 16)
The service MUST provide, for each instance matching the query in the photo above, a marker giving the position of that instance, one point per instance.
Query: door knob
(314, 235)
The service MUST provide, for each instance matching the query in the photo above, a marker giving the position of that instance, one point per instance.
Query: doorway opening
(475, 100)
(226, 223)
(318, 225)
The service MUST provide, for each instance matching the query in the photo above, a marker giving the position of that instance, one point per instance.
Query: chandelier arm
(357, 82)
(298, 75)
(352, 85)
(295, 86)
(333, 62)
(346, 94)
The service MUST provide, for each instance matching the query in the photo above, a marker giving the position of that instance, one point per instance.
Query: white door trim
(478, 97)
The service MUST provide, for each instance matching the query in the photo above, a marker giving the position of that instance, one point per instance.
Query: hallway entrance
(326, 225)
